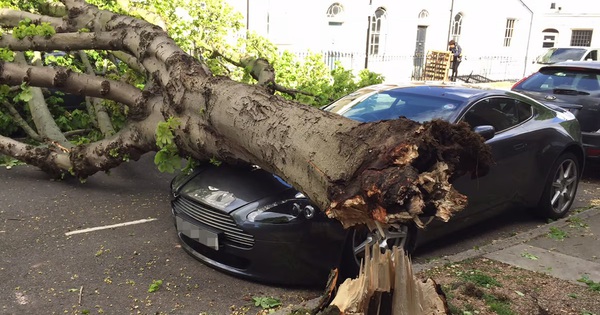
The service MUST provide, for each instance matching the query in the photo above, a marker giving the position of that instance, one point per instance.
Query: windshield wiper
(569, 92)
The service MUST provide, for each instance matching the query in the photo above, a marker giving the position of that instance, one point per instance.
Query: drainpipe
(528, 37)
(247, 18)
(368, 35)
(450, 22)
(368, 41)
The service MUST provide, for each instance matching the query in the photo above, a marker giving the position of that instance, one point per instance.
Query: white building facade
(499, 39)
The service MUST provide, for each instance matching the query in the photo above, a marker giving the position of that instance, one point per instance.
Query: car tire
(404, 236)
(560, 187)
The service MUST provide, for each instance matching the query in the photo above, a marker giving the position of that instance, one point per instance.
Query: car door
(512, 151)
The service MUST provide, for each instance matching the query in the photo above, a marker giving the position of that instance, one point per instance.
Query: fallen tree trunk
(389, 171)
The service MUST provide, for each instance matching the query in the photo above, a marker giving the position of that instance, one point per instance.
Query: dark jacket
(456, 52)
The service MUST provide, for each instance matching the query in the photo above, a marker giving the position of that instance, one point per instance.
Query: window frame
(496, 111)
(456, 29)
(509, 31)
(581, 37)
(376, 25)
(549, 37)
(333, 17)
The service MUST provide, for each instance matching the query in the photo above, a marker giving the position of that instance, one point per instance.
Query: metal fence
(399, 68)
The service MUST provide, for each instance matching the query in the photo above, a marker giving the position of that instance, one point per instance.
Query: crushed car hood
(227, 188)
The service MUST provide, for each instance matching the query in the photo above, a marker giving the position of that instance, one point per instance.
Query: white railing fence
(402, 68)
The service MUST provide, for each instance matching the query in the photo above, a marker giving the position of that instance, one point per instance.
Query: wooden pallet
(437, 65)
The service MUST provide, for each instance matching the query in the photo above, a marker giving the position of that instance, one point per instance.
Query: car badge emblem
(211, 188)
(550, 97)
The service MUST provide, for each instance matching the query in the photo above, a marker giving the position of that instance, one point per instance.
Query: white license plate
(203, 236)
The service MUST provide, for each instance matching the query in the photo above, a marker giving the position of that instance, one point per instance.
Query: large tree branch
(21, 122)
(51, 161)
(128, 59)
(133, 140)
(129, 143)
(67, 41)
(260, 70)
(40, 114)
(149, 43)
(11, 18)
(102, 117)
(75, 83)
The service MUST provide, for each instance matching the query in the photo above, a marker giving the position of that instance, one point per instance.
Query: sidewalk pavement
(568, 249)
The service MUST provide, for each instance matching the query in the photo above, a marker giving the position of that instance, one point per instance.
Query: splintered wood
(409, 296)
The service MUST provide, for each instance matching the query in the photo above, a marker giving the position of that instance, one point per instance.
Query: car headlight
(179, 180)
(282, 211)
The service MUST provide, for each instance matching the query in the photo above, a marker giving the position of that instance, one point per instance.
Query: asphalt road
(46, 270)
(43, 270)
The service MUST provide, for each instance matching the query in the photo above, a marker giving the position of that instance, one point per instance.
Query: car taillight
(519, 82)
(591, 152)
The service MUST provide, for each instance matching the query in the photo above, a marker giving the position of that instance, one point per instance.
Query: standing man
(456, 58)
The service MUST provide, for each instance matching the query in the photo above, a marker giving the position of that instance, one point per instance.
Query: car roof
(575, 64)
(453, 90)
(573, 47)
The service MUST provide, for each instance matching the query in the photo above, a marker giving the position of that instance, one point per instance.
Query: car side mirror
(486, 131)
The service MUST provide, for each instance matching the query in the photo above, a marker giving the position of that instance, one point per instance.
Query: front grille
(217, 220)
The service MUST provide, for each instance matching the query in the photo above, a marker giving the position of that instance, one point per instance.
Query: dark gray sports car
(248, 222)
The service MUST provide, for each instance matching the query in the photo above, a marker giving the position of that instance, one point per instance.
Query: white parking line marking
(98, 228)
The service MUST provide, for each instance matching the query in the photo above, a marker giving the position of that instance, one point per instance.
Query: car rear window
(576, 80)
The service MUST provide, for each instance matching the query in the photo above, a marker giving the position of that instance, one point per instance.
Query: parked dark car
(574, 86)
(250, 223)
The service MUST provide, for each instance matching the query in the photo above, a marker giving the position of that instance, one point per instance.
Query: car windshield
(562, 79)
(555, 55)
(394, 104)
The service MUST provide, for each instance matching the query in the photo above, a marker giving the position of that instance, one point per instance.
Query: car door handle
(519, 146)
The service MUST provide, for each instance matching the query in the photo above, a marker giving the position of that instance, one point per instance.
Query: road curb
(504, 243)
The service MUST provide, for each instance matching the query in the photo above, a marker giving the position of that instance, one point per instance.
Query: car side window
(500, 112)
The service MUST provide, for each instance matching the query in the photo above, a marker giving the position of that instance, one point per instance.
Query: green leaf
(214, 161)
(266, 302)
(529, 256)
(155, 286)
(557, 234)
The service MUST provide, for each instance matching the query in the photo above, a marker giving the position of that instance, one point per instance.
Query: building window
(335, 14)
(456, 27)
(508, 33)
(581, 38)
(423, 14)
(553, 5)
(550, 37)
(334, 10)
(375, 31)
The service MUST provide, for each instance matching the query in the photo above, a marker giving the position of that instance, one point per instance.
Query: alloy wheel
(393, 236)
(564, 186)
